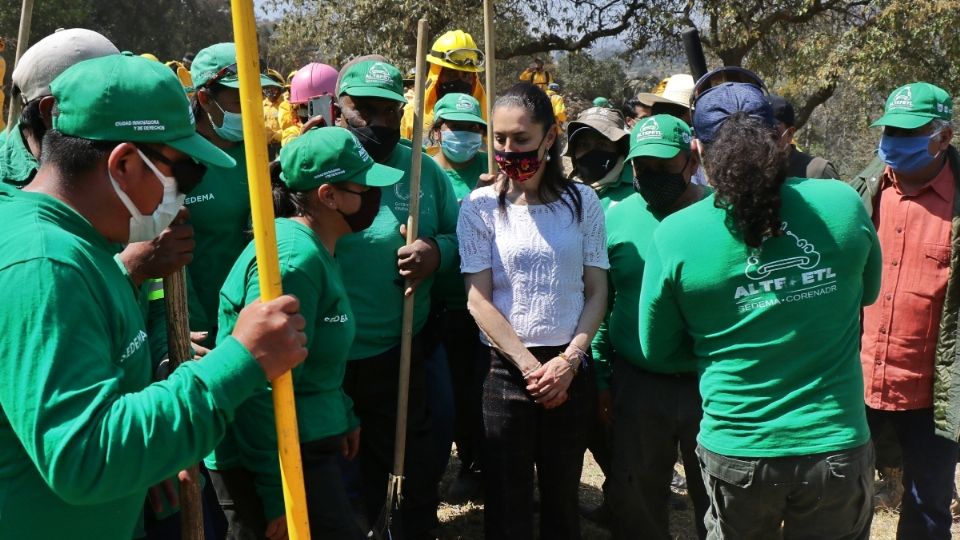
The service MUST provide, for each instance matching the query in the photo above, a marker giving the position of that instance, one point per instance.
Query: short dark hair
(32, 120)
(73, 156)
(629, 108)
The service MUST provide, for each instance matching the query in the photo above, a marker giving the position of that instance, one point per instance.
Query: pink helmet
(312, 80)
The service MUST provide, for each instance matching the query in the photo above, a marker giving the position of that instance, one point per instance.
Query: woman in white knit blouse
(533, 253)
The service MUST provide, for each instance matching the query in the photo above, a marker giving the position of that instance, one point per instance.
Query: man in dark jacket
(801, 164)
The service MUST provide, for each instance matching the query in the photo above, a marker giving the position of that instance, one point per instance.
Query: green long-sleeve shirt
(448, 289)
(83, 432)
(373, 280)
(220, 214)
(776, 330)
(630, 225)
(310, 273)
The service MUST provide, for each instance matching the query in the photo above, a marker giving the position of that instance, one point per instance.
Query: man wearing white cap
(675, 98)
(40, 64)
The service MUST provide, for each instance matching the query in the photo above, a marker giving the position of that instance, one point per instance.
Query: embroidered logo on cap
(464, 104)
(903, 99)
(650, 129)
(378, 73)
(364, 156)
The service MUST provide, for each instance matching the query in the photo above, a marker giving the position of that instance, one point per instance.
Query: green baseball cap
(220, 62)
(458, 108)
(330, 155)
(915, 105)
(372, 78)
(661, 136)
(127, 98)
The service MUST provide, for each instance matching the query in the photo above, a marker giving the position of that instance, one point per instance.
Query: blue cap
(715, 105)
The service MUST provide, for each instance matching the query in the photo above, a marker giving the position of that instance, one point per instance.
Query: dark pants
(440, 407)
(600, 444)
(929, 464)
(461, 339)
(328, 507)
(519, 435)
(826, 496)
(372, 384)
(653, 414)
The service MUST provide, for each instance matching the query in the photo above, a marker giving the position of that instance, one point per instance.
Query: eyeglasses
(461, 57)
(225, 72)
(724, 75)
(187, 172)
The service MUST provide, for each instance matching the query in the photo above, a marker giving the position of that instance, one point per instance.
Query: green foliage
(584, 77)
(166, 28)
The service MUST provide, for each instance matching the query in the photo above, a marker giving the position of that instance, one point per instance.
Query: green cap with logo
(458, 108)
(661, 136)
(330, 155)
(915, 105)
(127, 98)
(372, 78)
(220, 62)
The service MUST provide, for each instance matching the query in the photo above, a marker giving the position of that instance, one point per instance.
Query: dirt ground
(465, 522)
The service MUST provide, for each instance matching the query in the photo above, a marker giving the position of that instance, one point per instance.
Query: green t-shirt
(83, 432)
(630, 225)
(220, 214)
(448, 289)
(372, 278)
(776, 331)
(614, 193)
(310, 273)
(17, 164)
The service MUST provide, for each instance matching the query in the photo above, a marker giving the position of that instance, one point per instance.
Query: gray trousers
(653, 414)
(826, 496)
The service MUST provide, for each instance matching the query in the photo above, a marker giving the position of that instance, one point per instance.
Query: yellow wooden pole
(265, 239)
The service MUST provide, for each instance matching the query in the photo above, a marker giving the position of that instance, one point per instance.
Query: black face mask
(596, 164)
(378, 141)
(661, 189)
(369, 208)
(459, 86)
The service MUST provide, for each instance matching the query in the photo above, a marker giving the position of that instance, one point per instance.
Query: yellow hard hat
(149, 56)
(660, 87)
(456, 50)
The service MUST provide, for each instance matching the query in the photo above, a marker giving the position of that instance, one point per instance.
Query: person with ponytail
(325, 186)
(533, 251)
(760, 286)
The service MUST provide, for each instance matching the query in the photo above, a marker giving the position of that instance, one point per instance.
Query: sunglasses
(225, 72)
(187, 172)
(461, 57)
(724, 75)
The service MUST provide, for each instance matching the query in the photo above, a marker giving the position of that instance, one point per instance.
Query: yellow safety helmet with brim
(457, 50)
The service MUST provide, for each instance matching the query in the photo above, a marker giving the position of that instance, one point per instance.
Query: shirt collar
(941, 184)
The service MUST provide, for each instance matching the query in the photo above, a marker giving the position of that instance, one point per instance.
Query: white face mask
(145, 228)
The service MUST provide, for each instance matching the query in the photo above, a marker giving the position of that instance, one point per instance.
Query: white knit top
(537, 254)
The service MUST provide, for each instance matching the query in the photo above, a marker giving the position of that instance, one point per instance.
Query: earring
(548, 157)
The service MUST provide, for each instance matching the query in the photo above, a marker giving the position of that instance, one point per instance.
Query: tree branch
(552, 42)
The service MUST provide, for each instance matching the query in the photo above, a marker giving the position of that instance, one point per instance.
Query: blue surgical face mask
(906, 154)
(232, 127)
(460, 146)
